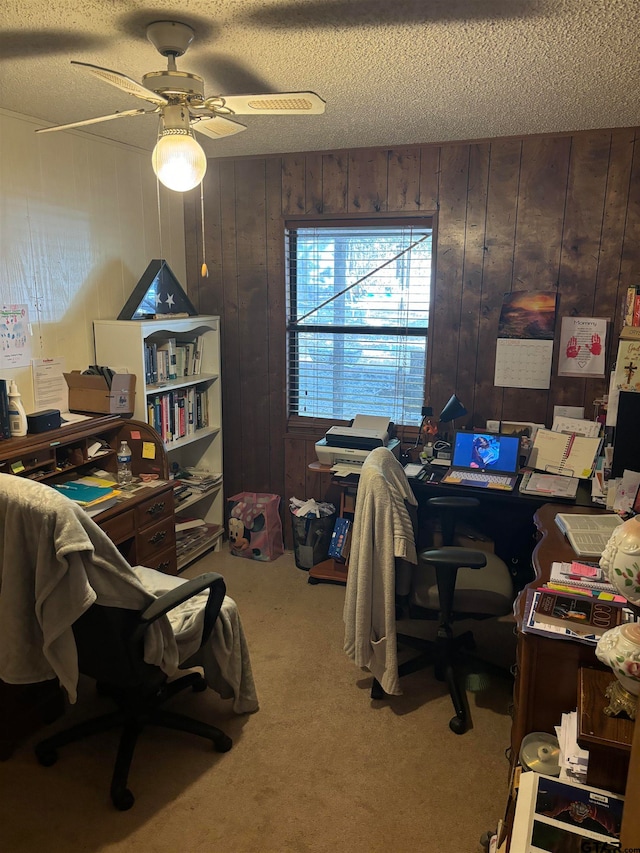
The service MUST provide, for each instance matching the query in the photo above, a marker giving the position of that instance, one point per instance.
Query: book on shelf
(568, 455)
(553, 485)
(587, 534)
(558, 814)
(582, 614)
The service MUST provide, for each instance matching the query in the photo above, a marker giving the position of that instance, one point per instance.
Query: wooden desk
(142, 526)
(546, 683)
(551, 673)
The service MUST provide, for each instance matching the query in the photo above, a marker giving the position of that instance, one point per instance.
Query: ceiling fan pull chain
(204, 272)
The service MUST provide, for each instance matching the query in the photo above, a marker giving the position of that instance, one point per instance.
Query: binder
(567, 455)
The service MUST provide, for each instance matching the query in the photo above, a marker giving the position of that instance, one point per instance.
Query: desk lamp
(452, 410)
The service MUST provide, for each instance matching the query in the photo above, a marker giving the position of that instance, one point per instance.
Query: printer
(352, 444)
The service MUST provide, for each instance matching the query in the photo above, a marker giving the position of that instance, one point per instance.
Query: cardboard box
(92, 394)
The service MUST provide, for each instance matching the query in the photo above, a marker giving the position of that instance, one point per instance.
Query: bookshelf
(179, 394)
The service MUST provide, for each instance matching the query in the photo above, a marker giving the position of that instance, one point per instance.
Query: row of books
(5, 430)
(176, 414)
(172, 359)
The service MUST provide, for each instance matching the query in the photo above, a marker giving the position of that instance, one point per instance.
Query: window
(358, 312)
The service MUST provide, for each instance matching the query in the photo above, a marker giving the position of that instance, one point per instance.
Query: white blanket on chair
(55, 562)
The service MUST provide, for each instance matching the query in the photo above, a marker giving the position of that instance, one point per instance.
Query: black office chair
(110, 644)
(449, 583)
(60, 574)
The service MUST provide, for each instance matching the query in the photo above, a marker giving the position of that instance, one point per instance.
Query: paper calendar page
(523, 363)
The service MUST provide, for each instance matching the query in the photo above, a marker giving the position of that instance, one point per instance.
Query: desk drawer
(153, 540)
(165, 561)
(121, 527)
(154, 509)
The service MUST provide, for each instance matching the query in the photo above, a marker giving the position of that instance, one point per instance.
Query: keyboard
(479, 478)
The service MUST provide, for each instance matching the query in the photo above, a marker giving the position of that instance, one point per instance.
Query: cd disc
(541, 752)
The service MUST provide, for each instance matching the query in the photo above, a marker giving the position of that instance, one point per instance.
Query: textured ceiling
(392, 72)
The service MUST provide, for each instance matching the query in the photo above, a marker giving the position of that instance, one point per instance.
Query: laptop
(484, 460)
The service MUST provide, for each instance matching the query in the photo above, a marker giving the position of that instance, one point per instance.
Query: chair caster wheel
(457, 725)
(222, 743)
(312, 581)
(199, 686)
(122, 799)
(47, 757)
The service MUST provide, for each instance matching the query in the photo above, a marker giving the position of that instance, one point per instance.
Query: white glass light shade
(179, 161)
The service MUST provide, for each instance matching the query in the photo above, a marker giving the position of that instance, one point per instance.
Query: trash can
(311, 538)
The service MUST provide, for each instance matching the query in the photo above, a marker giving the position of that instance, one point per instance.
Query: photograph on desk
(554, 814)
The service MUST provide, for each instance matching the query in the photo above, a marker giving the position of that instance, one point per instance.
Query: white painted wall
(78, 226)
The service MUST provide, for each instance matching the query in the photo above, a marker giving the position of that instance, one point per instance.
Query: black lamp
(452, 410)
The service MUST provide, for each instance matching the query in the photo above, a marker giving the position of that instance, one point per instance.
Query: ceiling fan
(178, 98)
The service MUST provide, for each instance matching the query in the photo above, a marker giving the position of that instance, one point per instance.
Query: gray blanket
(55, 562)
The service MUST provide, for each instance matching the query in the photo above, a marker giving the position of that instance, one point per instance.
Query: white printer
(352, 444)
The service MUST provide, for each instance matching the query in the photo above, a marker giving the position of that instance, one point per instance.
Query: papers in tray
(552, 485)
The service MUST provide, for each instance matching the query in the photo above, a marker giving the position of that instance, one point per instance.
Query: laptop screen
(486, 451)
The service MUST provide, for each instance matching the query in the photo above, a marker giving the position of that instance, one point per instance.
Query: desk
(546, 683)
(142, 527)
(506, 517)
(547, 679)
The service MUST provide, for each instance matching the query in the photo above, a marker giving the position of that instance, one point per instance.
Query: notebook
(484, 460)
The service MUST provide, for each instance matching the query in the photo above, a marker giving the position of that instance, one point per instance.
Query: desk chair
(71, 604)
(446, 583)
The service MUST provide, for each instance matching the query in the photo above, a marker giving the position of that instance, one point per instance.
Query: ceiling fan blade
(124, 83)
(122, 114)
(217, 127)
(279, 103)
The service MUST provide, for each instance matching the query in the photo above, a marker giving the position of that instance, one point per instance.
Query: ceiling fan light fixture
(178, 161)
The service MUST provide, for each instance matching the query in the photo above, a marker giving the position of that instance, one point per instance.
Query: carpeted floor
(320, 767)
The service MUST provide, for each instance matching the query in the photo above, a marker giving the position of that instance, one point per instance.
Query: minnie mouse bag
(255, 528)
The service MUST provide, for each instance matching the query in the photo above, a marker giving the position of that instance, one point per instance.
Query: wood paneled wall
(556, 212)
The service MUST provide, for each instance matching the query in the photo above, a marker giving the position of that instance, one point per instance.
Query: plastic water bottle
(125, 476)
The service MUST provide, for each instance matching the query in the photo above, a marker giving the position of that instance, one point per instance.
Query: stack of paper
(574, 760)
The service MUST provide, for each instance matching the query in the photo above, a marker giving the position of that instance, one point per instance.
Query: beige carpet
(318, 768)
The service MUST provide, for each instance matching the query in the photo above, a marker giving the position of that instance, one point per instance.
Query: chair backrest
(111, 649)
(57, 569)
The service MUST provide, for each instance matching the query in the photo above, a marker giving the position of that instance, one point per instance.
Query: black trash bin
(311, 538)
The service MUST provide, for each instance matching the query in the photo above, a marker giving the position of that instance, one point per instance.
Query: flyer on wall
(582, 346)
(15, 336)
